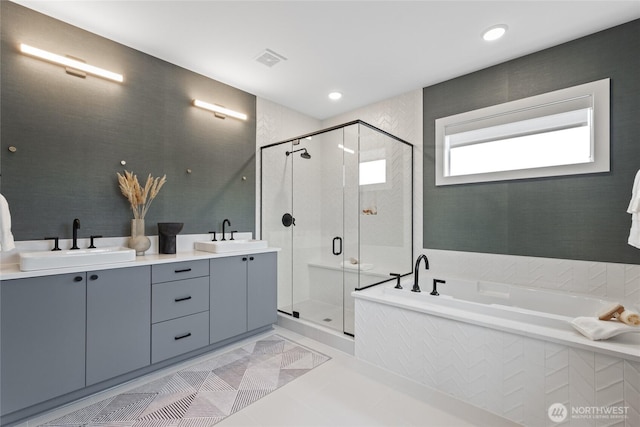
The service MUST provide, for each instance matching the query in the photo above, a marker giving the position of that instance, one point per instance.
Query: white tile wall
(616, 282)
(511, 375)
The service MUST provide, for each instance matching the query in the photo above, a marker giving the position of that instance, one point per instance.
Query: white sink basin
(231, 245)
(43, 260)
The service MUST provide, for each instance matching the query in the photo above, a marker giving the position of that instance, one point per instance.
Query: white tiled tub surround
(612, 281)
(508, 373)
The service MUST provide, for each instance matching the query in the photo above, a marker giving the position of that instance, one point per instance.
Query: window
(374, 172)
(558, 133)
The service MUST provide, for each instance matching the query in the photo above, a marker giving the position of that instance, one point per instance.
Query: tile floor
(324, 314)
(341, 392)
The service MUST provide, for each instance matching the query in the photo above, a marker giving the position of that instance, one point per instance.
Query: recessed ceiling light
(494, 33)
(335, 96)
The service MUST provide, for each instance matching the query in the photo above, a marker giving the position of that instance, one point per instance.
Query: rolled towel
(596, 329)
(610, 312)
(629, 317)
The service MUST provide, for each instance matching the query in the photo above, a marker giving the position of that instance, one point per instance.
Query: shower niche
(339, 204)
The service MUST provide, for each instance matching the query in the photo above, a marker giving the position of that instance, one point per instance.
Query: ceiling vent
(270, 58)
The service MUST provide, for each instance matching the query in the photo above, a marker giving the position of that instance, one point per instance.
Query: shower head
(304, 155)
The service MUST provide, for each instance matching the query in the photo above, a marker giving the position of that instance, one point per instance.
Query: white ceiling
(368, 50)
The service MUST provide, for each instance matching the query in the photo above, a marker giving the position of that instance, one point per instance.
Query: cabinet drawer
(180, 298)
(179, 336)
(179, 270)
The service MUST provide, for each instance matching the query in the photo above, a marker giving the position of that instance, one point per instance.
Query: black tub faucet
(76, 225)
(434, 291)
(226, 221)
(416, 287)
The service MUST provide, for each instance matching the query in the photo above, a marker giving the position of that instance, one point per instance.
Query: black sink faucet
(76, 225)
(226, 221)
(416, 287)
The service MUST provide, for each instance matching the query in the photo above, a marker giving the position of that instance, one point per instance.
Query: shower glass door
(339, 205)
(318, 238)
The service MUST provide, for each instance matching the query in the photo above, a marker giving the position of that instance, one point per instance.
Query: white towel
(6, 238)
(596, 329)
(634, 210)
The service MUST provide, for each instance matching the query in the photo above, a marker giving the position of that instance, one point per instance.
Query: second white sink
(42, 260)
(236, 245)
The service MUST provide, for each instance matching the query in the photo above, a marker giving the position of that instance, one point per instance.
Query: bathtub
(526, 311)
(506, 349)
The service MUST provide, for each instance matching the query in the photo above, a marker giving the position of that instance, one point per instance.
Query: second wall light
(218, 110)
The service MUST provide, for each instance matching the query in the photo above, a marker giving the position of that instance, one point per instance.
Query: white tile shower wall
(275, 123)
(401, 116)
(511, 375)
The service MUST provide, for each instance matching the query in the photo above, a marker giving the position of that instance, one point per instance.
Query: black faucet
(76, 225)
(55, 245)
(416, 287)
(434, 292)
(223, 222)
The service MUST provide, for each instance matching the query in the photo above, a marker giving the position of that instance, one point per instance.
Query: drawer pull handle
(179, 337)
(77, 279)
(185, 270)
(182, 299)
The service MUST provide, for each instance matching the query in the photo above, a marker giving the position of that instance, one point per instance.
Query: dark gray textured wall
(579, 217)
(71, 134)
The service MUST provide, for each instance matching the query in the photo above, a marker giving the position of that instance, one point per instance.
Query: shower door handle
(339, 250)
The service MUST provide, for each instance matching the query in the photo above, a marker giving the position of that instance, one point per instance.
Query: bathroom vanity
(67, 334)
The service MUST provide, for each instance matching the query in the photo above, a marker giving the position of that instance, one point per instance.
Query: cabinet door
(43, 339)
(228, 297)
(262, 290)
(118, 322)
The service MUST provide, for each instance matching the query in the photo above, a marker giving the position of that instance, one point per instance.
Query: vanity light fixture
(494, 33)
(74, 66)
(219, 111)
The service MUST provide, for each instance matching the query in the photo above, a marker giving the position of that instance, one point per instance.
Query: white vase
(138, 240)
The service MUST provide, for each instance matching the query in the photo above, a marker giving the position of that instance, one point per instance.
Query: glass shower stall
(339, 204)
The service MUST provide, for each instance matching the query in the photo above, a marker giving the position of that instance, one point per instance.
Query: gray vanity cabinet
(228, 297)
(43, 338)
(243, 294)
(118, 322)
(180, 308)
(262, 277)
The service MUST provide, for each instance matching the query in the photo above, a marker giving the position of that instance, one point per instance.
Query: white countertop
(10, 267)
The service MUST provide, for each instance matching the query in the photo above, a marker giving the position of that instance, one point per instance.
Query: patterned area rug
(204, 394)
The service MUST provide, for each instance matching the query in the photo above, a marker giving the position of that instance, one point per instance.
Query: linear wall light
(218, 110)
(75, 67)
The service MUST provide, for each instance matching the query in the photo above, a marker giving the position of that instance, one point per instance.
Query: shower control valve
(288, 220)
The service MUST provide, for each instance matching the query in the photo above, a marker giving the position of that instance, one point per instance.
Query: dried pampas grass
(140, 198)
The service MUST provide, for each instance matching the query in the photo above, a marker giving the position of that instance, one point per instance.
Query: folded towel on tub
(596, 329)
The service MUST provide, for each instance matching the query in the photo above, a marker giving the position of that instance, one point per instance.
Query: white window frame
(594, 95)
